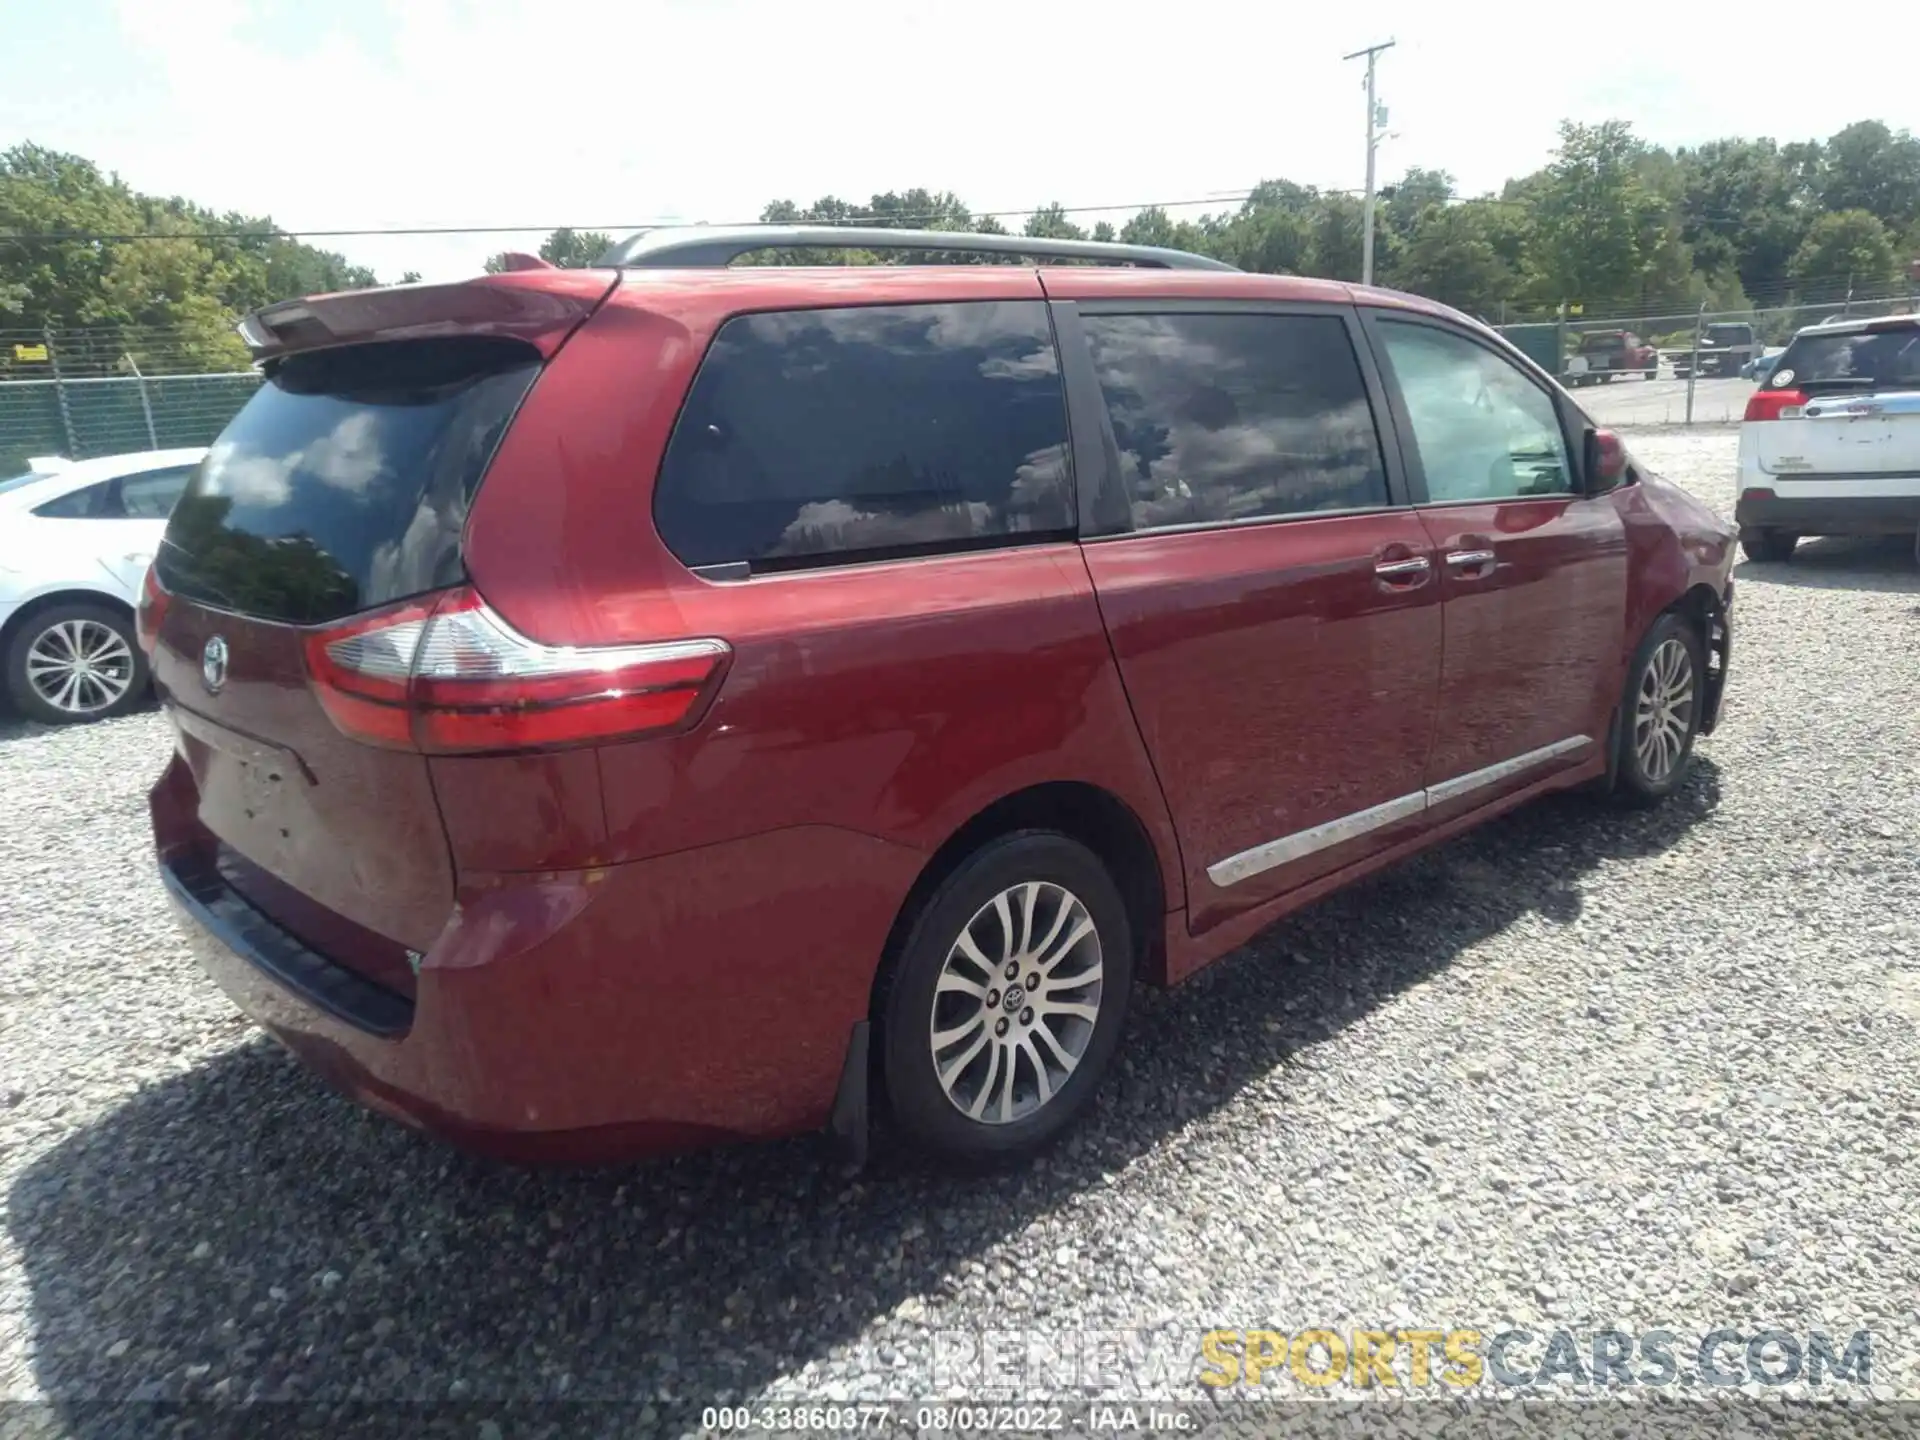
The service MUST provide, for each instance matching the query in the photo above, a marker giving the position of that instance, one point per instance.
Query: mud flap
(847, 1127)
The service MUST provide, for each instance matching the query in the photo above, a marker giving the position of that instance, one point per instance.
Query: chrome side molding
(1302, 843)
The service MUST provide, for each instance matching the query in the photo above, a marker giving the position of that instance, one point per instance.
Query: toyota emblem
(213, 664)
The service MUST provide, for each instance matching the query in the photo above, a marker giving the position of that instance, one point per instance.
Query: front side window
(818, 436)
(1484, 431)
(1223, 417)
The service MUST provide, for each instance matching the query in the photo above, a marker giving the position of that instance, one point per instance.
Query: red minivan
(676, 701)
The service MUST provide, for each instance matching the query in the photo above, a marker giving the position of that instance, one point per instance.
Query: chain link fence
(1694, 368)
(106, 390)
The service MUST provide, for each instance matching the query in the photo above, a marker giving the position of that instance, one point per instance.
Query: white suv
(75, 543)
(1831, 440)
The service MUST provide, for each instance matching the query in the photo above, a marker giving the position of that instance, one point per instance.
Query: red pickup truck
(1606, 353)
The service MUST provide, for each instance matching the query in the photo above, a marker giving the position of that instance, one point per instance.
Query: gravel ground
(1581, 1069)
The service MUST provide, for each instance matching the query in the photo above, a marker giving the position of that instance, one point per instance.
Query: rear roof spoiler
(713, 247)
(540, 307)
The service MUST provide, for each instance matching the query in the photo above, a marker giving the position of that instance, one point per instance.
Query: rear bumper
(1836, 514)
(589, 1016)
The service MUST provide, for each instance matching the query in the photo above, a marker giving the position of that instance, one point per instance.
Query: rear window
(821, 436)
(1861, 361)
(20, 482)
(344, 482)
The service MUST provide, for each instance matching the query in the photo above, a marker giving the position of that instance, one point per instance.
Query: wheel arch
(1707, 613)
(1095, 817)
(49, 599)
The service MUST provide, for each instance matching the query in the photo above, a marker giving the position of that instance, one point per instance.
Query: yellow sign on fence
(30, 352)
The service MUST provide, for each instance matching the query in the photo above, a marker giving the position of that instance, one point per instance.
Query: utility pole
(1375, 119)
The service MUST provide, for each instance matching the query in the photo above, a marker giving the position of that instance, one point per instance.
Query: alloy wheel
(1016, 1003)
(1663, 710)
(80, 667)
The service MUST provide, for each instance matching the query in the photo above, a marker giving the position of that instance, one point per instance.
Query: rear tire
(1660, 712)
(969, 1075)
(76, 663)
(1769, 547)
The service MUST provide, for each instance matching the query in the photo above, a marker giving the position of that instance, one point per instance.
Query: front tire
(1660, 714)
(1769, 547)
(71, 664)
(1007, 1000)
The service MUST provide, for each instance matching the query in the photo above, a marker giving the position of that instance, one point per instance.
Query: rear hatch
(1604, 350)
(1842, 405)
(340, 489)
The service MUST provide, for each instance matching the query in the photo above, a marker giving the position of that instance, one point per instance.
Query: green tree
(1743, 203)
(1452, 257)
(159, 279)
(574, 249)
(1050, 222)
(1588, 215)
(1869, 167)
(1845, 251)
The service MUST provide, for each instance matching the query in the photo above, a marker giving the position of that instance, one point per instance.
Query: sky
(363, 114)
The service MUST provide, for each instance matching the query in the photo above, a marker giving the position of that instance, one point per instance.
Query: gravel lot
(1581, 1069)
(1633, 402)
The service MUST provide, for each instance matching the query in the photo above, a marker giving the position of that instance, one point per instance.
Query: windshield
(1882, 359)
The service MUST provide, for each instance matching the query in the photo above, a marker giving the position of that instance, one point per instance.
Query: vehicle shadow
(238, 1220)
(1878, 563)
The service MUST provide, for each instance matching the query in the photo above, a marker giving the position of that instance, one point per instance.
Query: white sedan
(75, 543)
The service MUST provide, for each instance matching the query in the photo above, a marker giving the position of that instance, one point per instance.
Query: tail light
(151, 610)
(1776, 405)
(446, 676)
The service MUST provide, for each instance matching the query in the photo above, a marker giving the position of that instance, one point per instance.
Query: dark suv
(645, 705)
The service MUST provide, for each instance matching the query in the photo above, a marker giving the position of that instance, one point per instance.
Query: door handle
(1477, 562)
(1404, 574)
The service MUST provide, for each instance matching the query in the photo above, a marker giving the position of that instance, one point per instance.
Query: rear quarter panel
(893, 701)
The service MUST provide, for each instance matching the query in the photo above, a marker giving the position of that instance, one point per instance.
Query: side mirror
(1606, 461)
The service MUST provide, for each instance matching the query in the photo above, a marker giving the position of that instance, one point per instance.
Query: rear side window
(1221, 418)
(148, 495)
(816, 436)
(1870, 360)
(89, 502)
(344, 482)
(152, 494)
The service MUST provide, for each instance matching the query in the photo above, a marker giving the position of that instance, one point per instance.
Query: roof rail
(703, 246)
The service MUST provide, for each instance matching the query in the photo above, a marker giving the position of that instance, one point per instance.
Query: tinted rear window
(344, 482)
(825, 435)
(1871, 360)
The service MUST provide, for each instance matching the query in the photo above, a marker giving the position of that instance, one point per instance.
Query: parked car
(75, 539)
(1604, 354)
(1830, 444)
(718, 697)
(1725, 349)
(1761, 366)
